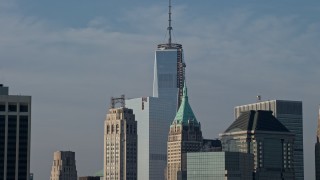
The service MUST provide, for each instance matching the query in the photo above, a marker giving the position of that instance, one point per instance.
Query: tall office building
(184, 136)
(289, 113)
(271, 143)
(154, 114)
(120, 143)
(169, 69)
(317, 150)
(64, 166)
(15, 126)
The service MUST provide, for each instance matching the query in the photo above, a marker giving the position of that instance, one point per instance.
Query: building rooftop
(257, 120)
(185, 113)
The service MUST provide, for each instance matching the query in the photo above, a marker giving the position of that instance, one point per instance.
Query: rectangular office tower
(15, 124)
(120, 143)
(289, 113)
(169, 73)
(154, 116)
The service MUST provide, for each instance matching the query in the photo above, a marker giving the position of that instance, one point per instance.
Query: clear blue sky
(73, 55)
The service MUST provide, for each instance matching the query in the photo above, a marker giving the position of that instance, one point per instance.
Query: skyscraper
(184, 136)
(261, 134)
(15, 126)
(120, 143)
(289, 113)
(64, 166)
(169, 69)
(317, 150)
(154, 114)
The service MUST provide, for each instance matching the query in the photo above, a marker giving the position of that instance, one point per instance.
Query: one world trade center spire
(169, 69)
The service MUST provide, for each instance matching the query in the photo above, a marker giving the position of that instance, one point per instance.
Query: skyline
(66, 61)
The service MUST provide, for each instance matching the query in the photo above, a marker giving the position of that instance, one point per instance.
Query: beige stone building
(184, 136)
(64, 166)
(120, 144)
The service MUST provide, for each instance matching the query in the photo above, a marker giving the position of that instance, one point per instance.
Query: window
(2, 107)
(12, 108)
(23, 107)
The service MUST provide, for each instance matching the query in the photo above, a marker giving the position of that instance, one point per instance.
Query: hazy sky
(73, 55)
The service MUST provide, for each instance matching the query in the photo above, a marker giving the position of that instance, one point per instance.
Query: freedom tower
(169, 69)
(154, 114)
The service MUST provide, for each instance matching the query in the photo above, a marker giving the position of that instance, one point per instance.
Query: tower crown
(185, 114)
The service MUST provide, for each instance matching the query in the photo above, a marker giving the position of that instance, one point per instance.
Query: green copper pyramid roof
(185, 112)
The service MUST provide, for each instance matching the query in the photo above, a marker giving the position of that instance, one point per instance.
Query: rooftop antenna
(169, 27)
(259, 98)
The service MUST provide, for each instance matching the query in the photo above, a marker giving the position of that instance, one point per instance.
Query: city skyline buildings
(58, 84)
(154, 114)
(290, 114)
(260, 133)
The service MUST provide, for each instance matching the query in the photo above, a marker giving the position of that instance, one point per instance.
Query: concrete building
(15, 131)
(219, 166)
(289, 113)
(120, 144)
(271, 143)
(184, 136)
(317, 150)
(64, 166)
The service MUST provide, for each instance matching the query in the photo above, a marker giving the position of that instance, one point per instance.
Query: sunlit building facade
(120, 145)
(64, 166)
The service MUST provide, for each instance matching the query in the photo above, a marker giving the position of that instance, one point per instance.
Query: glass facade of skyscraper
(219, 166)
(154, 116)
(165, 74)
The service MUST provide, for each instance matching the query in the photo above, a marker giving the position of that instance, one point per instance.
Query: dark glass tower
(15, 122)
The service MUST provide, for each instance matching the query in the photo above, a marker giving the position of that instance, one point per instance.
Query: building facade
(154, 116)
(219, 166)
(89, 178)
(289, 113)
(120, 145)
(15, 131)
(271, 143)
(169, 73)
(64, 166)
(317, 150)
(184, 136)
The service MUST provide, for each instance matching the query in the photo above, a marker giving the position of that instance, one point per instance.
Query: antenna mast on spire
(169, 27)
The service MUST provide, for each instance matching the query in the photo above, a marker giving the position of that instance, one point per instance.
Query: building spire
(318, 129)
(169, 27)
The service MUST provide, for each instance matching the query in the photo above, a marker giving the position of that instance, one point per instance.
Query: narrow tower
(64, 166)
(317, 150)
(169, 69)
(184, 136)
(120, 142)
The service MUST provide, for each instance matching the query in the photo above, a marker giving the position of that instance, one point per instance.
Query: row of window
(14, 108)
